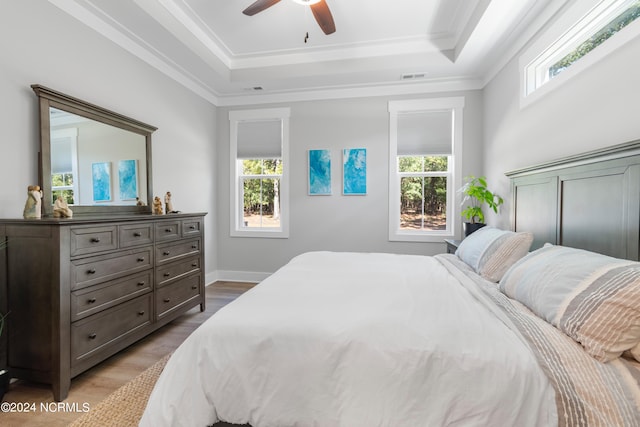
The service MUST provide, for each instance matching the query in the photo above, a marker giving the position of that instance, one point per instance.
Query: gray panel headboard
(589, 201)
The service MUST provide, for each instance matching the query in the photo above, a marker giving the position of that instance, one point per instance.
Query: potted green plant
(476, 194)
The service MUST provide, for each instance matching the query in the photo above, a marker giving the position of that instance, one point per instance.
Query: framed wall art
(319, 172)
(354, 171)
(101, 181)
(128, 179)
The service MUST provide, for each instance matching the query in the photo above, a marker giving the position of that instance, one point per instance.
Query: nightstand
(452, 245)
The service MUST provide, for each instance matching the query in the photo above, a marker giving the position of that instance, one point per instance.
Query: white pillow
(491, 251)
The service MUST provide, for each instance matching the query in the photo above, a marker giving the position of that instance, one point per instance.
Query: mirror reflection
(94, 163)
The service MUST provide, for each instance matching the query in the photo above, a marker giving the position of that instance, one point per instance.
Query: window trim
(582, 20)
(236, 205)
(72, 135)
(456, 105)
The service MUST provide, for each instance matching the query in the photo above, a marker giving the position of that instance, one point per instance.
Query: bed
(504, 332)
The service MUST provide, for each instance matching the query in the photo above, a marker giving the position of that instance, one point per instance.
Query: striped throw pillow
(491, 251)
(593, 298)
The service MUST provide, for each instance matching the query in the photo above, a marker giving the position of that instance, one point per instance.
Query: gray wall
(336, 222)
(597, 108)
(41, 44)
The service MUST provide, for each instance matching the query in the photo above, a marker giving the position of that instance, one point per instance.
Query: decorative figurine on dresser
(61, 209)
(83, 287)
(33, 205)
(168, 206)
(157, 206)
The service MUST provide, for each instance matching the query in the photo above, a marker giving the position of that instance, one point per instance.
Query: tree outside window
(62, 185)
(261, 192)
(423, 192)
(611, 28)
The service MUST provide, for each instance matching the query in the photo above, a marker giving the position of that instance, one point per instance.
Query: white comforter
(351, 339)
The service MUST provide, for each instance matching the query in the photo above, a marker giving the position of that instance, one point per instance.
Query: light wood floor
(94, 385)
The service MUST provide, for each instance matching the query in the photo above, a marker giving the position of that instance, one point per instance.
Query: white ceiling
(230, 58)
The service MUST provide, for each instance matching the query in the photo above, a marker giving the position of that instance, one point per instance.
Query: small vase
(470, 227)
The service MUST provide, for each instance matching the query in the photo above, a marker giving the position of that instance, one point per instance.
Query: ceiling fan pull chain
(306, 37)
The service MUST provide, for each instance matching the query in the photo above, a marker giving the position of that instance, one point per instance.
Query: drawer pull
(167, 274)
(168, 230)
(95, 240)
(167, 300)
(141, 259)
(92, 336)
(91, 300)
(136, 234)
(194, 246)
(91, 271)
(141, 313)
(193, 227)
(194, 264)
(194, 287)
(166, 253)
(140, 283)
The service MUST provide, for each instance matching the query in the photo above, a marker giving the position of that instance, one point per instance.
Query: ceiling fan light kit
(306, 2)
(319, 8)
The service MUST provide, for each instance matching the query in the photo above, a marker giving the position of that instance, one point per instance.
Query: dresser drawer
(91, 240)
(94, 270)
(167, 230)
(135, 235)
(172, 297)
(191, 227)
(173, 251)
(171, 272)
(108, 327)
(91, 300)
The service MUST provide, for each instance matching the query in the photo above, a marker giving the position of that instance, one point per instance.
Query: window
(62, 185)
(259, 148)
(425, 143)
(611, 28)
(261, 179)
(64, 164)
(423, 192)
(604, 20)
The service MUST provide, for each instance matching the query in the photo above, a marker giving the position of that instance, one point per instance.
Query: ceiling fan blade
(259, 6)
(323, 16)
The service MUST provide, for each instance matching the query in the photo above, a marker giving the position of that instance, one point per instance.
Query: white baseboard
(235, 276)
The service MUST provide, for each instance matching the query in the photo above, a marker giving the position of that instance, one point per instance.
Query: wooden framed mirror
(97, 160)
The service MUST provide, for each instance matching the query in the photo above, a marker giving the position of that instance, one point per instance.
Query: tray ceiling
(380, 46)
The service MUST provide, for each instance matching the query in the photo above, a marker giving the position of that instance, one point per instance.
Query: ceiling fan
(319, 8)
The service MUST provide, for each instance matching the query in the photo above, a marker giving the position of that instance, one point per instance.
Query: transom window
(623, 19)
(602, 22)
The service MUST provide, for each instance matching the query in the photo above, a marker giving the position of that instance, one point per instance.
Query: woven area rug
(124, 407)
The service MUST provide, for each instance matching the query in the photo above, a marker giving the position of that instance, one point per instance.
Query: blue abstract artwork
(354, 172)
(101, 176)
(319, 172)
(128, 179)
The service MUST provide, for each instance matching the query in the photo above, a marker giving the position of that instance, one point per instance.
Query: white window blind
(61, 156)
(260, 139)
(425, 133)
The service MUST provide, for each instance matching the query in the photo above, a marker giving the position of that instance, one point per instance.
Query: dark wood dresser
(80, 290)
